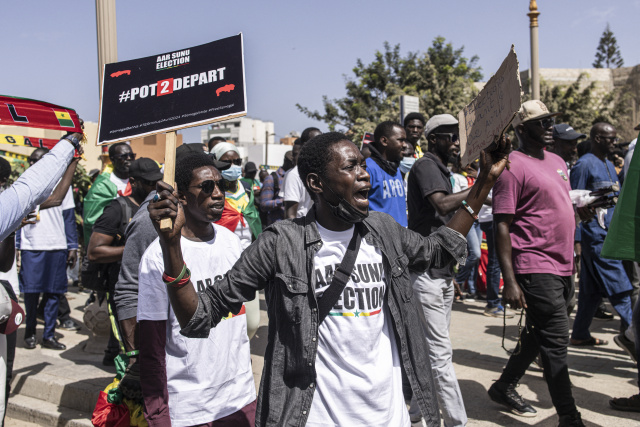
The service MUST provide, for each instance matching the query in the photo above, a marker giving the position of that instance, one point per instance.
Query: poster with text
(491, 111)
(173, 90)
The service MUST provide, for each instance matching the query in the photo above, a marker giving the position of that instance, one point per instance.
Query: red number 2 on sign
(165, 87)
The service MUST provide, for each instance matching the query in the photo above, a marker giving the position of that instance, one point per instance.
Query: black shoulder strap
(127, 214)
(276, 184)
(340, 276)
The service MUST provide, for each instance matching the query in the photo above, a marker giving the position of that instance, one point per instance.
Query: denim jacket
(281, 262)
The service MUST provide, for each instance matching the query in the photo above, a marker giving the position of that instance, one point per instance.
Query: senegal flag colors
(64, 118)
(623, 239)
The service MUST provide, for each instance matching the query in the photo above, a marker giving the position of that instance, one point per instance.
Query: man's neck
(532, 150)
(198, 231)
(601, 155)
(121, 175)
(439, 156)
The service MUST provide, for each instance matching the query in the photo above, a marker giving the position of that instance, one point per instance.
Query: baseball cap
(145, 168)
(437, 121)
(566, 132)
(11, 314)
(196, 149)
(532, 110)
(250, 167)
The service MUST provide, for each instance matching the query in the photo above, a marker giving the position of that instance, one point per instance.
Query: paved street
(68, 382)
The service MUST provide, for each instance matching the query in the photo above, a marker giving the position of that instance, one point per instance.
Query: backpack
(98, 276)
(276, 184)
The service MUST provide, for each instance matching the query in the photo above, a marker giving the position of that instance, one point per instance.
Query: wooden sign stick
(169, 171)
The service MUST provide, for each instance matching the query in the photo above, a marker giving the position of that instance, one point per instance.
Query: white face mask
(406, 163)
(233, 173)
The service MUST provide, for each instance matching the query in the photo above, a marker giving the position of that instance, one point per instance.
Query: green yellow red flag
(623, 238)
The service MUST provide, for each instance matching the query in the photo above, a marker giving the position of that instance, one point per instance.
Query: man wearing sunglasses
(535, 222)
(432, 204)
(187, 382)
(599, 277)
(108, 186)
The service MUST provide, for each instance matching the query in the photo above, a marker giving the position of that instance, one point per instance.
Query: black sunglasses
(209, 185)
(453, 137)
(546, 123)
(237, 162)
(130, 156)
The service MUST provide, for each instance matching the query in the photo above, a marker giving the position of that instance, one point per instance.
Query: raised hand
(495, 158)
(166, 205)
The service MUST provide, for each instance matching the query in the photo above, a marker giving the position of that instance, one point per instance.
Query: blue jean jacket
(280, 261)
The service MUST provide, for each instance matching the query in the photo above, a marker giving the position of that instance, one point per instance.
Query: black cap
(190, 149)
(565, 132)
(145, 168)
(250, 167)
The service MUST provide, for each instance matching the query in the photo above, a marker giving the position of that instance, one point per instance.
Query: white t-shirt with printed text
(295, 191)
(359, 377)
(207, 379)
(48, 234)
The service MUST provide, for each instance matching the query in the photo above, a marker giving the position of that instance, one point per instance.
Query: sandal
(591, 342)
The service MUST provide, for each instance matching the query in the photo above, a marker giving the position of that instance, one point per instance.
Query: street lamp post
(535, 70)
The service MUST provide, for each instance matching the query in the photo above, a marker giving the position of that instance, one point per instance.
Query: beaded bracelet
(466, 206)
(168, 280)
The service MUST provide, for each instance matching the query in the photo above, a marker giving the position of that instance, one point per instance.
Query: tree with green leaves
(442, 78)
(608, 53)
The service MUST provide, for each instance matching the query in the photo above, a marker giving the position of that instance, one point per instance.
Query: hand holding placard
(485, 119)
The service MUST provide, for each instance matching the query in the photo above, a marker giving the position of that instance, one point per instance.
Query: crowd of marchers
(361, 253)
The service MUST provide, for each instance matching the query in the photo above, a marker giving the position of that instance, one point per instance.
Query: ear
(384, 141)
(182, 197)
(314, 183)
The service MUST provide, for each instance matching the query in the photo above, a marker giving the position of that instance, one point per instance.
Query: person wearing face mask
(343, 327)
(240, 213)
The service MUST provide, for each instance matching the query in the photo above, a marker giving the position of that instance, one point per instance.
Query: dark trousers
(51, 302)
(493, 266)
(546, 333)
(64, 311)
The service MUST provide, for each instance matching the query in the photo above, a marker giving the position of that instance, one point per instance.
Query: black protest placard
(172, 90)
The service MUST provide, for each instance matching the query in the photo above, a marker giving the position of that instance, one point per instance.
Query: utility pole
(535, 68)
(266, 148)
(107, 37)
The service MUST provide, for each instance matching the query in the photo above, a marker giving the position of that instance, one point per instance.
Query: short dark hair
(384, 129)
(305, 134)
(5, 169)
(298, 141)
(112, 148)
(214, 139)
(315, 156)
(42, 150)
(414, 116)
(186, 165)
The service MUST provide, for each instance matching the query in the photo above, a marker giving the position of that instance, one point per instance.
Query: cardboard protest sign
(489, 114)
(31, 113)
(173, 90)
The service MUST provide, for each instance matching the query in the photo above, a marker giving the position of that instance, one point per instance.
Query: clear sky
(295, 51)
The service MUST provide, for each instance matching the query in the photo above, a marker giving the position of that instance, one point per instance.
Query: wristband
(183, 282)
(73, 140)
(168, 280)
(132, 353)
(466, 206)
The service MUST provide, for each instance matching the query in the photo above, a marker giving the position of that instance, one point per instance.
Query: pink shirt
(537, 193)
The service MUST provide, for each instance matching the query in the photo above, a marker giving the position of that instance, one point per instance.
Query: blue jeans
(469, 271)
(493, 266)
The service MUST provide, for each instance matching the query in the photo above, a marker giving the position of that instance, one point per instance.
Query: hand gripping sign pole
(169, 171)
(170, 91)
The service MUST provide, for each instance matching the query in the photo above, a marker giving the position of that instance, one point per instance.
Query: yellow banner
(27, 141)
